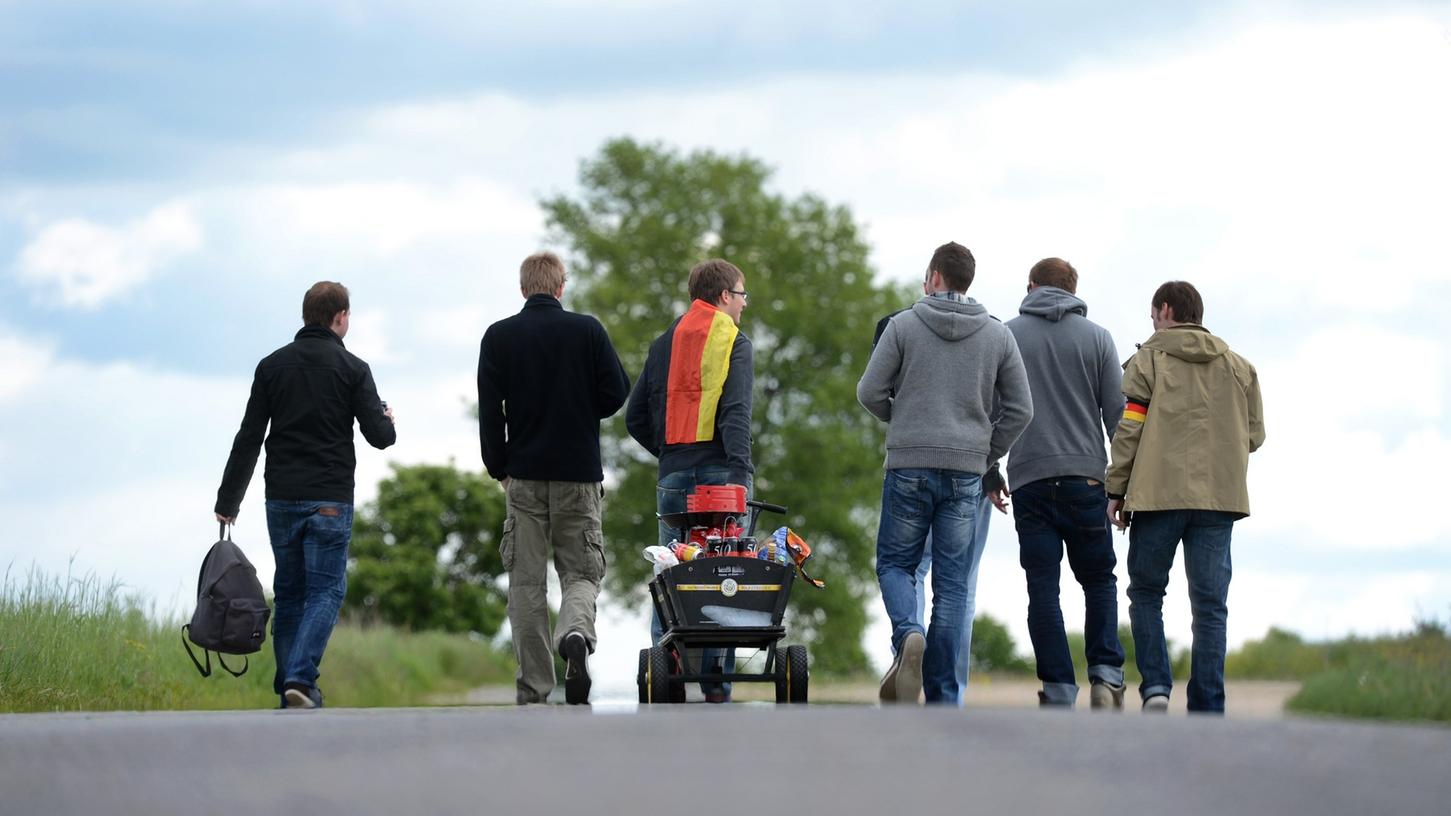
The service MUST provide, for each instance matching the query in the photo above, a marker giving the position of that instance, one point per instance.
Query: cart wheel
(642, 680)
(783, 694)
(798, 674)
(657, 676)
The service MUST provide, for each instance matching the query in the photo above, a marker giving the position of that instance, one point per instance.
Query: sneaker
(575, 651)
(1102, 695)
(298, 695)
(888, 691)
(909, 669)
(1157, 704)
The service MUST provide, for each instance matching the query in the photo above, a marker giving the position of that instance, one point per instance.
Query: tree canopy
(644, 215)
(425, 554)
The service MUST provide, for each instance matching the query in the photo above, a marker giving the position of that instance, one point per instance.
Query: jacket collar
(318, 333)
(542, 302)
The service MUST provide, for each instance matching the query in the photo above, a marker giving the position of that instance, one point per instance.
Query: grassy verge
(70, 644)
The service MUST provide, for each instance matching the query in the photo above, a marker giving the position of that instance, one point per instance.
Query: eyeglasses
(741, 292)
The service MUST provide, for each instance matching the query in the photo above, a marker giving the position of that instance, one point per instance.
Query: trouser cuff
(1061, 694)
(1154, 691)
(1112, 675)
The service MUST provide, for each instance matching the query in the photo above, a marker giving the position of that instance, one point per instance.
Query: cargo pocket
(595, 554)
(506, 545)
(245, 626)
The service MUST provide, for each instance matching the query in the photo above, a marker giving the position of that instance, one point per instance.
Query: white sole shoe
(909, 669)
(1158, 704)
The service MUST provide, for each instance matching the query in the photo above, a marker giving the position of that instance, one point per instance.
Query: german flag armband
(1136, 410)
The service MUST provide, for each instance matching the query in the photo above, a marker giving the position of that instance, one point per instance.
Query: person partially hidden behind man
(310, 391)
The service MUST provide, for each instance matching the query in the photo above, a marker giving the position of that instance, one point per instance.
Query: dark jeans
(670, 495)
(1153, 538)
(1054, 515)
(310, 545)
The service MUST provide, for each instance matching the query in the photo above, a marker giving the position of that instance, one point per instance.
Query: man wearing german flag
(1180, 457)
(691, 407)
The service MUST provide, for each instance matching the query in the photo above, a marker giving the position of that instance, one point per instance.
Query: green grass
(69, 644)
(1402, 677)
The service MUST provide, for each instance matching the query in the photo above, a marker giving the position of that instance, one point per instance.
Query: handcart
(726, 596)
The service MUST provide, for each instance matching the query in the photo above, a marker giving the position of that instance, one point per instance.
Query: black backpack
(231, 611)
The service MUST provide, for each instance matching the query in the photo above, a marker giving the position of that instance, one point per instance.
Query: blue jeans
(916, 501)
(1153, 538)
(310, 546)
(1071, 513)
(670, 493)
(979, 542)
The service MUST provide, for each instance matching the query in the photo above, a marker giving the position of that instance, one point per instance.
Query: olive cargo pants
(545, 516)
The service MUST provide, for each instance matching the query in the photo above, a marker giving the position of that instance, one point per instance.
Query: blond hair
(541, 274)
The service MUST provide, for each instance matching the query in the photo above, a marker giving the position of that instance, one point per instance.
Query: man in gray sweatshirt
(934, 377)
(1056, 472)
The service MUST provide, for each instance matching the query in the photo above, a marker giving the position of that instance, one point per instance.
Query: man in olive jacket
(1180, 455)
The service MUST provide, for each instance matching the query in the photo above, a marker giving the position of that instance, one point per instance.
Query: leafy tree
(993, 649)
(425, 554)
(646, 214)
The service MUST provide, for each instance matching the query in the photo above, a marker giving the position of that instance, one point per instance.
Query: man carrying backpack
(310, 391)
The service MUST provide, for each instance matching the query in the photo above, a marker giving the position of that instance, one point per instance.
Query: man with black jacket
(691, 408)
(310, 391)
(547, 377)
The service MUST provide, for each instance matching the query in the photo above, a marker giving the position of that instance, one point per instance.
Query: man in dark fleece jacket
(546, 378)
(691, 408)
(1056, 471)
(310, 391)
(949, 381)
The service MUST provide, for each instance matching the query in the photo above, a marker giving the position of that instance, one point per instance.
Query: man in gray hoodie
(934, 377)
(1056, 472)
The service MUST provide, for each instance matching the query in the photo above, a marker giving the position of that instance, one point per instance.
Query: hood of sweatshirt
(1190, 342)
(1052, 303)
(950, 319)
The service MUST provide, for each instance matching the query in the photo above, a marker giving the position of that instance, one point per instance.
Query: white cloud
(25, 363)
(1318, 427)
(83, 264)
(386, 217)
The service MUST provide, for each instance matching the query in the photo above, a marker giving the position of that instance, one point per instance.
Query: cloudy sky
(173, 175)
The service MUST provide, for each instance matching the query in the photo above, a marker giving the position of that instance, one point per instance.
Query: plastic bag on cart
(798, 551)
(661, 557)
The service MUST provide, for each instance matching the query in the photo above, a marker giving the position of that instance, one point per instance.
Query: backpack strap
(222, 659)
(207, 672)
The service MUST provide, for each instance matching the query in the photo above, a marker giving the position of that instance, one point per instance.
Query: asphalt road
(698, 759)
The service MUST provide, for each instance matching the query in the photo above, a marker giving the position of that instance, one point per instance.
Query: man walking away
(310, 391)
(691, 409)
(547, 377)
(1180, 458)
(1056, 470)
(992, 484)
(934, 377)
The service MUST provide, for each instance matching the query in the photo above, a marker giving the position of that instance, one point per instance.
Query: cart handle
(756, 508)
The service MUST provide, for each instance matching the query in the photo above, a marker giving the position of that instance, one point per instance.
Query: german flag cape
(700, 359)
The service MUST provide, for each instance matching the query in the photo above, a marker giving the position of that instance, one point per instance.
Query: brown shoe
(1102, 696)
